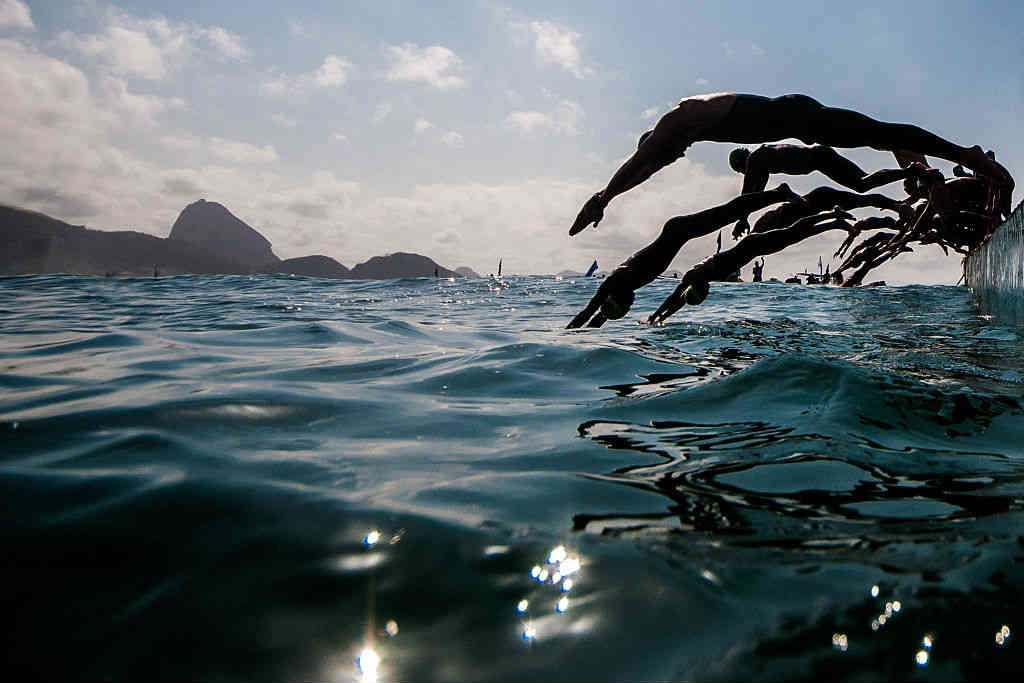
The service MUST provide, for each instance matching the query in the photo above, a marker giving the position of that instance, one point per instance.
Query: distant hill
(206, 238)
(32, 242)
(400, 264)
(212, 227)
(311, 266)
(466, 271)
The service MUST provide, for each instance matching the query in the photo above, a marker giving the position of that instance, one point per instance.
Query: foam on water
(287, 478)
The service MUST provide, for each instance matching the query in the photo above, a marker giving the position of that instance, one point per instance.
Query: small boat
(592, 269)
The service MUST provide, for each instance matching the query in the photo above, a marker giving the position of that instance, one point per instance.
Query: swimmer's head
(696, 293)
(643, 137)
(617, 304)
(738, 159)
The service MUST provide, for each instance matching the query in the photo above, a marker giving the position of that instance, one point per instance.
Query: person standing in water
(758, 270)
(742, 118)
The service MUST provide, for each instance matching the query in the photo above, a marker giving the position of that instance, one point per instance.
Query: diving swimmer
(695, 284)
(743, 118)
(615, 296)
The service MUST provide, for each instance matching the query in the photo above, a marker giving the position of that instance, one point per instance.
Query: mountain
(400, 264)
(311, 266)
(210, 226)
(32, 242)
(206, 238)
(466, 271)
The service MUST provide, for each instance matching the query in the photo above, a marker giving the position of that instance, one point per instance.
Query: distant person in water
(731, 117)
(615, 295)
(758, 270)
(695, 284)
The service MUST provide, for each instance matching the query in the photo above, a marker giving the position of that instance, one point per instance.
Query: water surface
(266, 478)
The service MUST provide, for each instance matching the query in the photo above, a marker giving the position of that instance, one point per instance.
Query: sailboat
(499, 267)
(592, 269)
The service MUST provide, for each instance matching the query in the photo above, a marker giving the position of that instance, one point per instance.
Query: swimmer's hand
(687, 292)
(592, 212)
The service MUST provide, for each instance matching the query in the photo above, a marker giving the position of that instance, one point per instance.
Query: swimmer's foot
(975, 159)
(591, 213)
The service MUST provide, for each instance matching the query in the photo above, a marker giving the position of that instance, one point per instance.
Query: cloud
(452, 139)
(339, 137)
(284, 121)
(60, 201)
(180, 143)
(297, 29)
(151, 48)
(16, 14)
(59, 132)
(228, 44)
(565, 118)
(241, 152)
(703, 81)
(430, 65)
(381, 112)
(553, 44)
(649, 113)
(182, 186)
(422, 126)
(333, 72)
(742, 49)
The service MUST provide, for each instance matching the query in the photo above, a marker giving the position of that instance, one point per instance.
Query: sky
(466, 131)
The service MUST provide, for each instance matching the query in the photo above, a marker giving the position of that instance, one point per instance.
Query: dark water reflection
(285, 479)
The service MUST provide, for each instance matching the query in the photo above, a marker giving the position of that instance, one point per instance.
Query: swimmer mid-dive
(614, 296)
(695, 284)
(757, 167)
(822, 199)
(742, 118)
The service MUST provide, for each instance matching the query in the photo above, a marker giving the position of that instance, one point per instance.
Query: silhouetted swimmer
(866, 224)
(757, 166)
(758, 270)
(615, 295)
(823, 199)
(693, 288)
(741, 118)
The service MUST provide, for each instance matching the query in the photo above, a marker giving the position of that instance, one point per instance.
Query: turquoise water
(266, 478)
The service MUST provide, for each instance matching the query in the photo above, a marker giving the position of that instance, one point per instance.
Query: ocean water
(274, 478)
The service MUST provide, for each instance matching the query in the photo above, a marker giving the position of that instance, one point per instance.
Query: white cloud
(649, 113)
(150, 48)
(553, 44)
(333, 72)
(431, 65)
(297, 29)
(565, 118)
(59, 133)
(180, 143)
(284, 121)
(241, 152)
(16, 14)
(452, 139)
(703, 81)
(381, 112)
(228, 44)
(742, 49)
(422, 126)
(339, 137)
